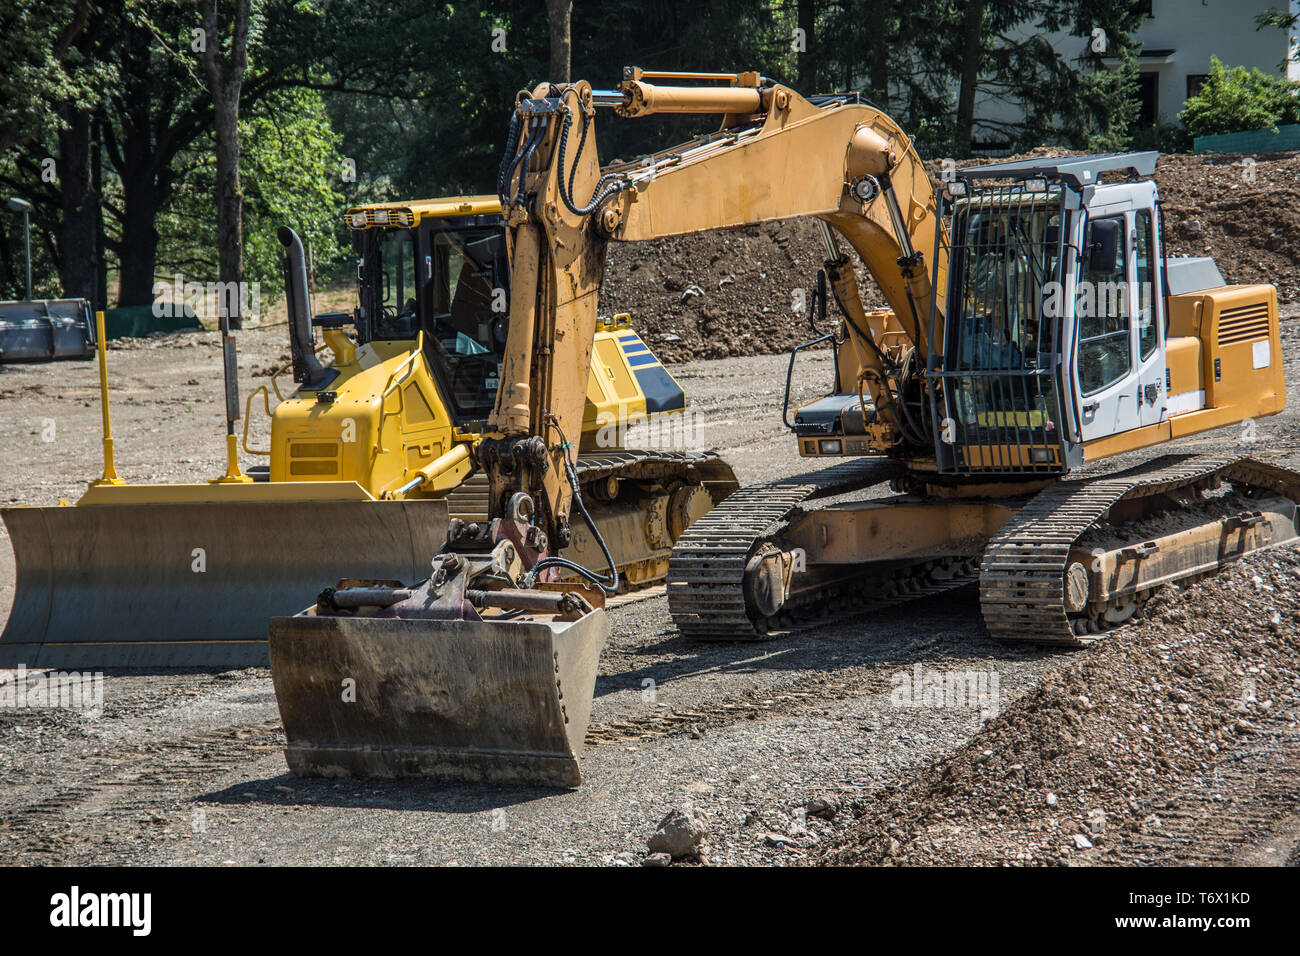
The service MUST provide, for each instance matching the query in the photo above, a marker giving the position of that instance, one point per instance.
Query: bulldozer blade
(459, 701)
(193, 584)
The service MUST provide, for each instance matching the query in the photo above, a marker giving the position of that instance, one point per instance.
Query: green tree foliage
(1237, 99)
(348, 101)
(1107, 104)
(289, 178)
(42, 65)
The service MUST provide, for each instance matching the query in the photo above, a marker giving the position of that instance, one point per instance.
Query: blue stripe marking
(628, 338)
(645, 358)
(634, 349)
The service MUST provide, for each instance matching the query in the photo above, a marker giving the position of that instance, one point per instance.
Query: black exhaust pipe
(307, 371)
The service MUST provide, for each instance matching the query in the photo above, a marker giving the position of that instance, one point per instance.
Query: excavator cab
(1071, 336)
(997, 400)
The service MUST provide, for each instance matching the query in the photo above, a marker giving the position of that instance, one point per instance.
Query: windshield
(1004, 254)
(449, 279)
(1001, 329)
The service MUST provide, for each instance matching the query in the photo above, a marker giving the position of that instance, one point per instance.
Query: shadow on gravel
(412, 795)
(947, 627)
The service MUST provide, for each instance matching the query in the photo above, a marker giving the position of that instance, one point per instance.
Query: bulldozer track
(634, 465)
(707, 570)
(1022, 575)
(470, 501)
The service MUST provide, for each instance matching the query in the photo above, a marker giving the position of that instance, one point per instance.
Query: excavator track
(1023, 573)
(706, 573)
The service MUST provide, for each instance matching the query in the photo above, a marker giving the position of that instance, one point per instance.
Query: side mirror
(1104, 245)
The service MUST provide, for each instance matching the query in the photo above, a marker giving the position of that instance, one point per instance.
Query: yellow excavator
(369, 461)
(1035, 327)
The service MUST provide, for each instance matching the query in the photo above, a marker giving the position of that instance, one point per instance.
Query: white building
(1176, 43)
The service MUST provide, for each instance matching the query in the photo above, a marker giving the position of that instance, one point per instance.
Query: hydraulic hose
(606, 186)
(509, 158)
(526, 157)
(606, 582)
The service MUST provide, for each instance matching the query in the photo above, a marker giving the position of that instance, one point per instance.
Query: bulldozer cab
(447, 276)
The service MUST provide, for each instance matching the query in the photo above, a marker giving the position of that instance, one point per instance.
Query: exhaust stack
(307, 371)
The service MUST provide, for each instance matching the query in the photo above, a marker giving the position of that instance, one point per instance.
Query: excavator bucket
(499, 701)
(189, 575)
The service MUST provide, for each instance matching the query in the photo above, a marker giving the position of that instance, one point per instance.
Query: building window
(1194, 83)
(1148, 107)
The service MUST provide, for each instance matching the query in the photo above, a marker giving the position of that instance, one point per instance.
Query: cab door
(1105, 337)
(1148, 306)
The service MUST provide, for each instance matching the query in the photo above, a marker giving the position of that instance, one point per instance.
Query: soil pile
(1095, 764)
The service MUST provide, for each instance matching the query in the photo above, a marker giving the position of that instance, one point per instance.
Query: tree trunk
(807, 15)
(225, 79)
(79, 250)
(559, 13)
(100, 297)
(882, 44)
(972, 50)
(139, 253)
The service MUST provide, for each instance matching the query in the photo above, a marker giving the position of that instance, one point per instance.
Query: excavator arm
(486, 670)
(777, 156)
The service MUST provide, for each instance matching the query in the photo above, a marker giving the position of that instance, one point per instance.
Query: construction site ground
(794, 751)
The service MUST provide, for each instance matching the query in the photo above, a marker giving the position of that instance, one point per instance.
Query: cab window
(1105, 326)
(1145, 277)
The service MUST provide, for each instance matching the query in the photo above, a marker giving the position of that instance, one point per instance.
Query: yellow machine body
(145, 575)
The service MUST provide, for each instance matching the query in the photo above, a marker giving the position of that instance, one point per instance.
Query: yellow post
(230, 370)
(233, 473)
(110, 469)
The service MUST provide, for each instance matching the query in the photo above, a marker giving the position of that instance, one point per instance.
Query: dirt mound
(1081, 769)
(1247, 216)
(731, 292)
(722, 293)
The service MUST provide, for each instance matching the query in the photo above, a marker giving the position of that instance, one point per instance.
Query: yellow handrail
(392, 384)
(276, 373)
(248, 411)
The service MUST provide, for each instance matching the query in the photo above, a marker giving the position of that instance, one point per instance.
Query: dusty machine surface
(464, 677)
(369, 459)
(1035, 327)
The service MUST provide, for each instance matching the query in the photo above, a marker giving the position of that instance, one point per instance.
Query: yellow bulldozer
(1036, 327)
(369, 461)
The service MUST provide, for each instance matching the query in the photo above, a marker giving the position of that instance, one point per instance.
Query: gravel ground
(187, 768)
